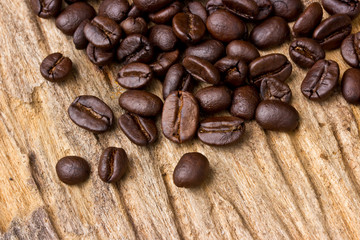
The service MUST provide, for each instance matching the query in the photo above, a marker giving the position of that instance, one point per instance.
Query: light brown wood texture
(271, 185)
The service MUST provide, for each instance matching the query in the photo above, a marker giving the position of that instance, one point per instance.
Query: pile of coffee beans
(183, 44)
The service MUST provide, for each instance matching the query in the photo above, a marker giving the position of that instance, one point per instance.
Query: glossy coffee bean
(79, 38)
(242, 50)
(112, 165)
(72, 170)
(220, 131)
(55, 67)
(164, 61)
(141, 103)
(198, 9)
(141, 131)
(350, 50)
(321, 80)
(134, 75)
(201, 70)
(332, 31)
(163, 37)
(265, 9)
(348, 7)
(247, 9)
(189, 28)
(165, 15)
(214, 99)
(180, 117)
(114, 9)
(134, 12)
(287, 9)
(46, 8)
(233, 71)
(244, 103)
(73, 15)
(210, 50)
(176, 79)
(308, 20)
(135, 48)
(305, 52)
(214, 5)
(98, 56)
(273, 89)
(151, 6)
(134, 26)
(350, 86)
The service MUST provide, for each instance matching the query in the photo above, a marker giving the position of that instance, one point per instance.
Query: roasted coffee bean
(201, 70)
(308, 20)
(332, 31)
(270, 33)
(233, 70)
(141, 131)
(348, 7)
(273, 65)
(321, 80)
(141, 103)
(98, 56)
(91, 113)
(191, 171)
(214, 5)
(214, 99)
(220, 131)
(265, 9)
(112, 165)
(46, 8)
(180, 116)
(350, 50)
(244, 103)
(163, 37)
(115, 9)
(210, 50)
(72, 170)
(166, 14)
(164, 62)
(73, 15)
(134, 75)
(225, 26)
(79, 38)
(242, 50)
(103, 32)
(151, 6)
(189, 28)
(350, 86)
(273, 89)
(176, 79)
(287, 9)
(135, 48)
(134, 12)
(247, 9)
(198, 9)
(134, 25)
(305, 52)
(55, 67)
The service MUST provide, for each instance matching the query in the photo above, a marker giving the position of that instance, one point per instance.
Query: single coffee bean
(242, 50)
(135, 48)
(134, 12)
(189, 28)
(79, 38)
(220, 131)
(247, 9)
(141, 103)
(273, 89)
(244, 103)
(180, 116)
(141, 131)
(164, 62)
(112, 165)
(332, 31)
(273, 65)
(55, 67)
(350, 86)
(287, 9)
(233, 70)
(176, 79)
(308, 20)
(99, 56)
(263, 35)
(73, 15)
(210, 50)
(214, 5)
(114, 9)
(198, 9)
(166, 14)
(265, 9)
(134, 75)
(191, 171)
(151, 6)
(46, 8)
(214, 99)
(72, 170)
(134, 25)
(350, 50)
(201, 70)
(305, 52)
(163, 37)
(321, 80)
(348, 7)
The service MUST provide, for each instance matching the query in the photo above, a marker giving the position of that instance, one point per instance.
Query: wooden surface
(300, 185)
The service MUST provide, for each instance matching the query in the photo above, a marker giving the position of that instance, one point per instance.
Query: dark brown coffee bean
(55, 67)
(287, 9)
(244, 103)
(189, 28)
(191, 171)
(134, 12)
(242, 50)
(151, 6)
(98, 56)
(247, 9)
(308, 20)
(115, 9)
(214, 99)
(350, 86)
(72, 170)
(198, 9)
(180, 116)
(164, 62)
(134, 26)
(305, 52)
(166, 14)
(112, 165)
(348, 7)
(201, 70)
(273, 89)
(233, 70)
(220, 131)
(135, 48)
(141, 103)
(46, 8)
(332, 31)
(214, 5)
(163, 37)
(79, 38)
(321, 80)
(350, 50)
(134, 75)
(210, 50)
(265, 9)
(176, 79)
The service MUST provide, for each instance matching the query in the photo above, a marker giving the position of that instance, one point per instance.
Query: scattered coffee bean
(214, 5)
(112, 165)
(201, 70)
(163, 37)
(164, 62)
(115, 9)
(308, 20)
(166, 14)
(210, 50)
(55, 67)
(134, 26)
(244, 103)
(348, 7)
(176, 79)
(79, 38)
(350, 50)
(305, 52)
(72, 170)
(134, 75)
(214, 99)
(141, 102)
(265, 9)
(134, 12)
(98, 56)
(242, 50)
(151, 6)
(287, 9)
(189, 28)
(198, 9)
(350, 86)
(273, 89)
(135, 48)
(46, 8)
(247, 9)
(233, 70)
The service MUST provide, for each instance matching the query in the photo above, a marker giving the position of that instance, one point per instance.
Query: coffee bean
(265, 9)
(134, 25)
(221, 131)
(73, 15)
(79, 38)
(308, 20)
(55, 67)
(214, 99)
(244, 103)
(166, 14)
(321, 80)
(46, 8)
(214, 5)
(247, 9)
(189, 28)
(273, 89)
(98, 56)
(151, 6)
(348, 7)
(305, 52)
(198, 9)
(176, 79)
(191, 171)
(233, 70)
(350, 50)
(273, 65)
(141, 131)
(163, 37)
(287, 9)
(201, 70)
(135, 48)
(141, 102)
(72, 170)
(225, 26)
(115, 9)
(242, 50)
(332, 31)
(180, 116)
(134, 12)
(112, 165)
(270, 33)
(210, 50)
(350, 86)
(164, 62)
(134, 75)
